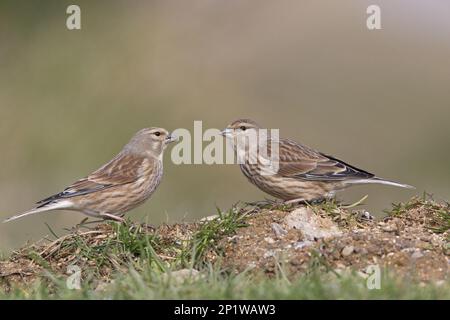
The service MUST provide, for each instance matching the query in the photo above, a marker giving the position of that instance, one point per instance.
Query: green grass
(440, 213)
(210, 232)
(130, 246)
(151, 283)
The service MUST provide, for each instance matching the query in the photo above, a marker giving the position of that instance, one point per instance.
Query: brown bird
(303, 174)
(122, 184)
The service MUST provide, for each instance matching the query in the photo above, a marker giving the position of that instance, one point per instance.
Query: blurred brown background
(69, 100)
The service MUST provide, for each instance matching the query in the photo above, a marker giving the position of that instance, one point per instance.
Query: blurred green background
(69, 100)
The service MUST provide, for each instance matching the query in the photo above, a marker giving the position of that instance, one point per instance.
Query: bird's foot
(108, 216)
(265, 204)
(85, 223)
(294, 201)
(302, 201)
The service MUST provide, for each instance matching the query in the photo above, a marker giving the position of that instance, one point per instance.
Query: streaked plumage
(304, 174)
(120, 185)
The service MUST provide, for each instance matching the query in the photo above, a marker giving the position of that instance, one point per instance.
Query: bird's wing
(123, 169)
(298, 161)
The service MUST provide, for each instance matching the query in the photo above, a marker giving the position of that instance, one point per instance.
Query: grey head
(149, 142)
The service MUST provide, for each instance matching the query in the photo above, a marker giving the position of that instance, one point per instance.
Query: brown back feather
(299, 161)
(123, 169)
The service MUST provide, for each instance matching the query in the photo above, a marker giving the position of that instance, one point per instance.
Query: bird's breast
(151, 174)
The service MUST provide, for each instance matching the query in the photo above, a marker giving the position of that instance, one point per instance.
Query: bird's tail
(381, 181)
(48, 207)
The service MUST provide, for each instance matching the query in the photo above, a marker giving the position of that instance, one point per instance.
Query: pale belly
(286, 188)
(120, 199)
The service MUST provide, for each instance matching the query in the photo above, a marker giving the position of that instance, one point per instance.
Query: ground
(259, 250)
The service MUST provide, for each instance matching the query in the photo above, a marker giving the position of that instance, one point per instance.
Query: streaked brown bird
(122, 184)
(303, 174)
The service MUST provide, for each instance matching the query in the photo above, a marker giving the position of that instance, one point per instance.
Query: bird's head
(242, 134)
(240, 127)
(151, 141)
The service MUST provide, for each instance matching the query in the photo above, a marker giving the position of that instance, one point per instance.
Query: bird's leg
(306, 202)
(108, 216)
(318, 201)
(84, 223)
(262, 204)
(295, 201)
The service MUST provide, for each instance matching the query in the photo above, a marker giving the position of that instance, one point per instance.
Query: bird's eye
(243, 128)
(157, 133)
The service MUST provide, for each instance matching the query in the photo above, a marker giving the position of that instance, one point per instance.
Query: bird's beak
(227, 133)
(171, 138)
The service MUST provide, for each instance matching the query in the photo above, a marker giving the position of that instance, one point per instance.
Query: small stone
(311, 225)
(389, 228)
(183, 275)
(417, 255)
(102, 286)
(269, 253)
(340, 266)
(269, 240)
(348, 250)
(209, 218)
(302, 244)
(363, 251)
(338, 271)
(440, 283)
(278, 230)
(365, 215)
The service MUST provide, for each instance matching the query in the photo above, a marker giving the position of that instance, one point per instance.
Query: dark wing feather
(123, 169)
(302, 162)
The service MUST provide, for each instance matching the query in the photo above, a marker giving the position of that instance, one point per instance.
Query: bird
(117, 187)
(301, 174)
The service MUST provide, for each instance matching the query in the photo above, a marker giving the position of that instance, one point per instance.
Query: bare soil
(403, 243)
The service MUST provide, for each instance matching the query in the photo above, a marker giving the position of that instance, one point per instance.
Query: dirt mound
(412, 239)
(99, 252)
